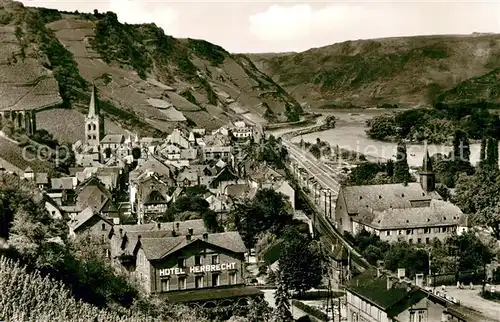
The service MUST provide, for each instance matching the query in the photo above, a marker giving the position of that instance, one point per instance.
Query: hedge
(314, 312)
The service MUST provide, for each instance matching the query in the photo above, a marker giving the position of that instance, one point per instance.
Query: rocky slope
(409, 72)
(147, 81)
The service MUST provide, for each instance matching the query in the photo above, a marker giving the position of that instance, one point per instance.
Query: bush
(310, 310)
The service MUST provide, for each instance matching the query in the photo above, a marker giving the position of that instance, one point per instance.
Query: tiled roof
(65, 183)
(374, 289)
(157, 248)
(438, 213)
(82, 218)
(237, 190)
(197, 225)
(113, 139)
(384, 196)
(41, 178)
(189, 153)
(189, 175)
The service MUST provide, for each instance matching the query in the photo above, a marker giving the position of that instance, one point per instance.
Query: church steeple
(92, 107)
(427, 162)
(94, 125)
(427, 175)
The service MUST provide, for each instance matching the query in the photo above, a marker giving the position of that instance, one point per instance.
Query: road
(472, 299)
(323, 175)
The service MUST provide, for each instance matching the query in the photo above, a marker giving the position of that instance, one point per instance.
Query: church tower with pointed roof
(427, 175)
(94, 124)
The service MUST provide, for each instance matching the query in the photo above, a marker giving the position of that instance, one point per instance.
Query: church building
(413, 212)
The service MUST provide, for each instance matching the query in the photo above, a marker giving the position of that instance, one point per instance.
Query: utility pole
(340, 310)
(324, 191)
(330, 201)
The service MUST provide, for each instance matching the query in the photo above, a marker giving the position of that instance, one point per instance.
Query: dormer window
(428, 220)
(444, 218)
(380, 197)
(402, 195)
(360, 197)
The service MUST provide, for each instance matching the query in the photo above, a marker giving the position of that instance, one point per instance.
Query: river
(349, 134)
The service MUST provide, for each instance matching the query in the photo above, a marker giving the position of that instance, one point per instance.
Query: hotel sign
(197, 269)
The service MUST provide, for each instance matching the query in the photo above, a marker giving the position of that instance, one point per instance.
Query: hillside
(408, 71)
(148, 82)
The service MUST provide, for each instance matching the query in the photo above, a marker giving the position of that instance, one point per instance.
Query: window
(215, 280)
(182, 283)
(89, 137)
(197, 260)
(215, 259)
(165, 285)
(400, 232)
(198, 281)
(93, 137)
(103, 227)
(419, 240)
(90, 127)
(443, 229)
(408, 231)
(180, 262)
(427, 240)
(421, 316)
(410, 241)
(232, 278)
(388, 233)
(93, 127)
(426, 230)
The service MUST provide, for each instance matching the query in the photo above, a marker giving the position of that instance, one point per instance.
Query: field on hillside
(68, 125)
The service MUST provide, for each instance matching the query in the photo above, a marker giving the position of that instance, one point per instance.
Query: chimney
(389, 282)
(205, 236)
(190, 231)
(177, 225)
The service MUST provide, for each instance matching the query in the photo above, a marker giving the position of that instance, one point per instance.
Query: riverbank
(307, 120)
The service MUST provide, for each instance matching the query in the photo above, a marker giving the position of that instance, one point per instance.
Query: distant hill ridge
(407, 71)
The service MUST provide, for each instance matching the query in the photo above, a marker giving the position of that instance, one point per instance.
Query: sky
(283, 26)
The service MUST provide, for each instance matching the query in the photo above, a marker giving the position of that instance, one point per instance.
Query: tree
(300, 262)
(461, 147)
(330, 121)
(315, 151)
(490, 216)
(473, 254)
(268, 211)
(389, 167)
(282, 311)
(136, 153)
(401, 168)
(8, 128)
(258, 311)
(364, 173)
(477, 195)
(402, 255)
(482, 153)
